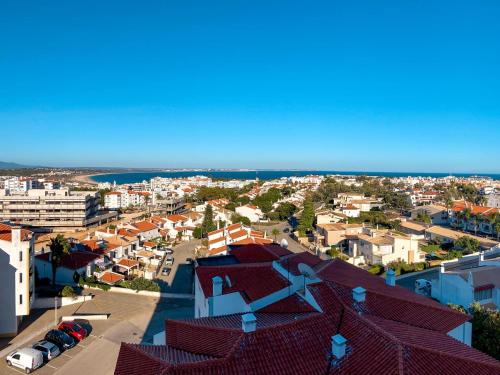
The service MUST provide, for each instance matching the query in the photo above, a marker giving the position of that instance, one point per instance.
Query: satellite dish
(307, 271)
(284, 243)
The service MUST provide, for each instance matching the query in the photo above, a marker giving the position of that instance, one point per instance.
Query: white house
(16, 277)
(463, 287)
(252, 212)
(83, 263)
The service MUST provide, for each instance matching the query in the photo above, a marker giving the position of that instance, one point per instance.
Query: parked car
(28, 359)
(169, 260)
(165, 271)
(49, 350)
(61, 339)
(286, 230)
(189, 260)
(74, 330)
(168, 250)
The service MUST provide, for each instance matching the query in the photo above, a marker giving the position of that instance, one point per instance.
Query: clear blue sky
(343, 85)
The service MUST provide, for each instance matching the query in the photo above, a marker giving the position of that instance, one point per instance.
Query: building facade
(16, 277)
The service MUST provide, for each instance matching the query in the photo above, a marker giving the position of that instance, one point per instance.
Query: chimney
(15, 234)
(481, 256)
(248, 322)
(338, 346)
(216, 286)
(359, 294)
(390, 277)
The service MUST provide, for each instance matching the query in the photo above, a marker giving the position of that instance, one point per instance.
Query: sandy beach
(87, 178)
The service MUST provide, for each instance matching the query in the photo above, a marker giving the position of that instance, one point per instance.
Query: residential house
(16, 277)
(82, 263)
(448, 235)
(219, 239)
(253, 213)
(336, 234)
(479, 284)
(438, 214)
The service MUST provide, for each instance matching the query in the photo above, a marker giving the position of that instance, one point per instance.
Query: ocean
(133, 177)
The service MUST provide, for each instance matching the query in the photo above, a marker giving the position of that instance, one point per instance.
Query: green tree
(424, 217)
(485, 328)
(466, 244)
(285, 210)
(237, 218)
(307, 218)
(208, 224)
(59, 248)
(275, 232)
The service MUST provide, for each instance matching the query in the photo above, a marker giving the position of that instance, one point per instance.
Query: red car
(74, 330)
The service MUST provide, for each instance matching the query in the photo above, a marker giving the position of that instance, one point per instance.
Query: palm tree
(466, 216)
(59, 247)
(275, 232)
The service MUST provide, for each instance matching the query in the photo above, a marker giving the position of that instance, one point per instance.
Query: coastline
(87, 178)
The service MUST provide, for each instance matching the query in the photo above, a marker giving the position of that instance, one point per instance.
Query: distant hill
(7, 165)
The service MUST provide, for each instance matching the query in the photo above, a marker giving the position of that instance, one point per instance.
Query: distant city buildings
(52, 208)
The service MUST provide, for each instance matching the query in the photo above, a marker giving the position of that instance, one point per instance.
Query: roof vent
(338, 346)
(390, 277)
(216, 286)
(228, 281)
(248, 322)
(359, 294)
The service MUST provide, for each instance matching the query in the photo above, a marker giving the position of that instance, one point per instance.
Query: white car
(27, 359)
(169, 260)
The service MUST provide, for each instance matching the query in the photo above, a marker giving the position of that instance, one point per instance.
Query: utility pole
(55, 311)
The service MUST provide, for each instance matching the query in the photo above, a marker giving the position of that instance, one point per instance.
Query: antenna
(306, 270)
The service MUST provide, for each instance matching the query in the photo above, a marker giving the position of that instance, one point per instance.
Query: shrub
(140, 283)
(376, 269)
(93, 282)
(68, 291)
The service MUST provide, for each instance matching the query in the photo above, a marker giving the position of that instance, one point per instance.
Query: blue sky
(341, 85)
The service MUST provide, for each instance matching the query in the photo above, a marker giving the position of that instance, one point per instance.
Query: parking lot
(133, 319)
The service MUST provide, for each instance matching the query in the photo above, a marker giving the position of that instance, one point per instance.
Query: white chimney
(441, 268)
(15, 234)
(338, 346)
(248, 322)
(216, 286)
(390, 277)
(481, 257)
(359, 294)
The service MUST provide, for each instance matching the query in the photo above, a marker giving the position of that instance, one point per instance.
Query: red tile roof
(73, 261)
(217, 250)
(476, 210)
(252, 281)
(144, 226)
(383, 337)
(255, 253)
(292, 262)
(111, 277)
(128, 263)
(6, 233)
(238, 234)
(176, 218)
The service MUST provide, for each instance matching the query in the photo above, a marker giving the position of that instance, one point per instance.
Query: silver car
(48, 349)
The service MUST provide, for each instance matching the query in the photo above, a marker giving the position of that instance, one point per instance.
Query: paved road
(180, 279)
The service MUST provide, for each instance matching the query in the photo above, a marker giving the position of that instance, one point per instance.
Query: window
(20, 277)
(20, 299)
(20, 256)
(480, 295)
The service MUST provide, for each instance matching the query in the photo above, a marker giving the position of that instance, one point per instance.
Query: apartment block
(52, 208)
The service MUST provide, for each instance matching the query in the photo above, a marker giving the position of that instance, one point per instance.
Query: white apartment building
(52, 208)
(17, 277)
(124, 198)
(463, 287)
